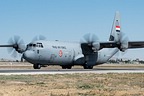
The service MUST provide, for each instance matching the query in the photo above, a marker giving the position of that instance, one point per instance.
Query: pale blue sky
(69, 20)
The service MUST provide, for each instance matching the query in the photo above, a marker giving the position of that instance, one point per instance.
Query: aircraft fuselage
(61, 53)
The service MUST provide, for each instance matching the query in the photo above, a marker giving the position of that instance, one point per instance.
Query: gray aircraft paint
(71, 52)
(67, 54)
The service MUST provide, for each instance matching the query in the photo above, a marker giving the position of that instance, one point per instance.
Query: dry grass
(73, 85)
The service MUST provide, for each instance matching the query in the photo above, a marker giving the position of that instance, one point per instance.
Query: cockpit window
(30, 45)
(34, 45)
(39, 45)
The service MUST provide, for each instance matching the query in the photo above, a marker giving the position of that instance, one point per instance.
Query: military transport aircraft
(87, 53)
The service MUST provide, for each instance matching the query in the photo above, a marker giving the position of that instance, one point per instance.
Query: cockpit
(34, 45)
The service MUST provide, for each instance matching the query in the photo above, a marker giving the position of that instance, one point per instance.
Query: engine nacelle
(80, 59)
(96, 46)
(124, 46)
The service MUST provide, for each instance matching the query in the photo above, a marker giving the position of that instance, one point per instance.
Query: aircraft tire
(63, 67)
(36, 66)
(66, 67)
(69, 67)
(88, 67)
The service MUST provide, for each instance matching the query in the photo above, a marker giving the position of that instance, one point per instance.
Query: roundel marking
(60, 53)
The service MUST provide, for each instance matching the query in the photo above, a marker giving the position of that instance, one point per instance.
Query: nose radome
(29, 55)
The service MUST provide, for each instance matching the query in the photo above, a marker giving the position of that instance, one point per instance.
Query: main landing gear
(36, 66)
(66, 66)
(87, 67)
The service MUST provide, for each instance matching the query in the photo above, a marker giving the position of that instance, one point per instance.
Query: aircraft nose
(29, 55)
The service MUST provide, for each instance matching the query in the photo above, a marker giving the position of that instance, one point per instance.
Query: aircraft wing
(130, 45)
(135, 44)
(6, 45)
(88, 48)
(108, 44)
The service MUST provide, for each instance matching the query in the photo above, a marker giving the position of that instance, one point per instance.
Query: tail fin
(116, 29)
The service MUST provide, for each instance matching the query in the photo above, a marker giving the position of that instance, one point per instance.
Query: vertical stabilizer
(116, 29)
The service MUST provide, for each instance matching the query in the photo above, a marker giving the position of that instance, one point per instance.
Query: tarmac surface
(19, 68)
(69, 71)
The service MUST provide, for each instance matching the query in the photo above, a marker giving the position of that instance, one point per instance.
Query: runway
(68, 71)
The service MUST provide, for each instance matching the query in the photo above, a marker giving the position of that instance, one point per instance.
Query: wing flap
(135, 44)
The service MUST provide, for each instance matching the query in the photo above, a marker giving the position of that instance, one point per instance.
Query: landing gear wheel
(88, 67)
(66, 67)
(63, 67)
(69, 67)
(36, 66)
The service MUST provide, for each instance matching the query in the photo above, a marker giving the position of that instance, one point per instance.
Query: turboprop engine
(92, 41)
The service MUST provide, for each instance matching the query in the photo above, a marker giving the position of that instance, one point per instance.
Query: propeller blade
(124, 42)
(10, 49)
(90, 38)
(10, 41)
(16, 39)
(94, 38)
(40, 37)
(14, 54)
(87, 38)
(124, 45)
(18, 46)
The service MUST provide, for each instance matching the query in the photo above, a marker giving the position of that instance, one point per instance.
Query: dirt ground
(73, 85)
(111, 84)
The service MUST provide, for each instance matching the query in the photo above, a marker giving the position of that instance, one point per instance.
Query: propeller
(91, 40)
(123, 45)
(123, 42)
(39, 37)
(17, 46)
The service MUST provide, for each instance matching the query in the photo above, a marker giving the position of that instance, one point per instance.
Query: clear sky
(69, 20)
